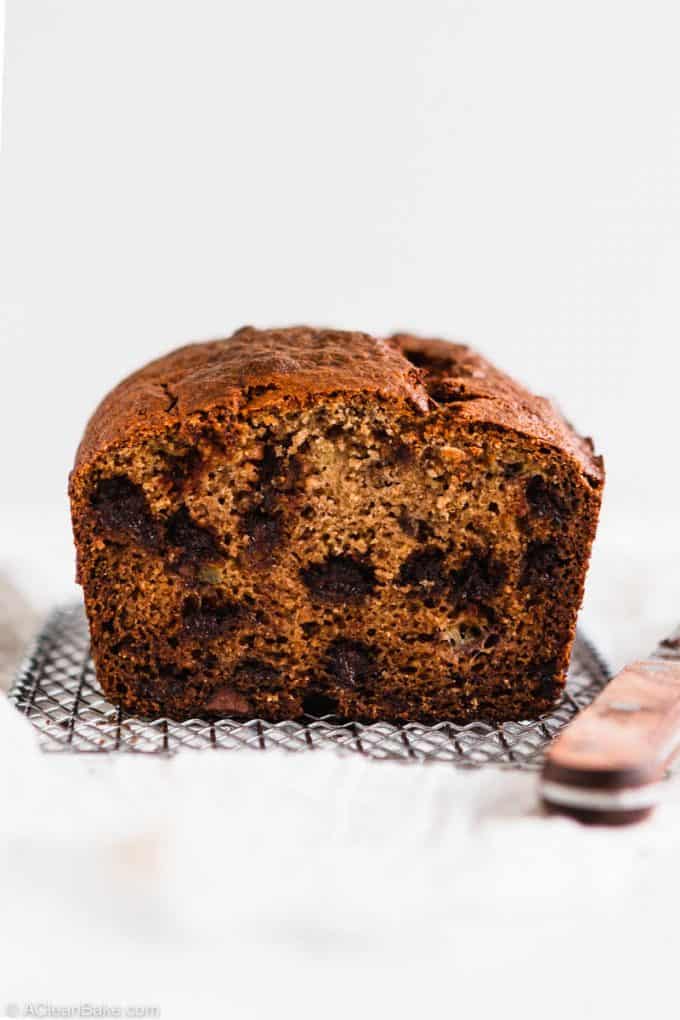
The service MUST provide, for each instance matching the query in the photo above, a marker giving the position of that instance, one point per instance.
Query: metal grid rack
(58, 691)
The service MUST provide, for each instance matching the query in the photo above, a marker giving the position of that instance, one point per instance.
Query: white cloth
(303, 885)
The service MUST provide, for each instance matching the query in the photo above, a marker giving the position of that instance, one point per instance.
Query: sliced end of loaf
(339, 555)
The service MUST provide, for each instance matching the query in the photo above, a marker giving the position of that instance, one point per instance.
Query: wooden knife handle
(607, 765)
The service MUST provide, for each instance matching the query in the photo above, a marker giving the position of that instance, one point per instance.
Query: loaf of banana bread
(303, 521)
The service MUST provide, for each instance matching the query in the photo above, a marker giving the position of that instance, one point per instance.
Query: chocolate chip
(400, 453)
(317, 704)
(413, 527)
(277, 474)
(350, 662)
(549, 688)
(394, 451)
(128, 646)
(257, 673)
(423, 567)
(248, 675)
(544, 499)
(478, 579)
(183, 467)
(265, 531)
(543, 673)
(334, 432)
(542, 561)
(207, 619)
(339, 579)
(196, 541)
(176, 681)
(122, 506)
(225, 700)
(269, 466)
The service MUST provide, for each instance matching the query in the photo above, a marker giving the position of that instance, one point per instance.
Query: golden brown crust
(255, 368)
(264, 367)
(499, 400)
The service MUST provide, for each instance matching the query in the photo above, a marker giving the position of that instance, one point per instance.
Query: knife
(607, 767)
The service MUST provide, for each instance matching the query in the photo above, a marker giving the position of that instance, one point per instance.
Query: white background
(508, 173)
(504, 172)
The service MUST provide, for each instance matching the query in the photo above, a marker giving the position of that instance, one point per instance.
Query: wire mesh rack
(58, 691)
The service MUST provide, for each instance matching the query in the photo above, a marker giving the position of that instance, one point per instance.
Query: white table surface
(504, 172)
(299, 886)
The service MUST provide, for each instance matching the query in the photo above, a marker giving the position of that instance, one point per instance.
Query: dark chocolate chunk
(128, 646)
(256, 673)
(339, 579)
(269, 466)
(423, 566)
(183, 467)
(225, 700)
(479, 579)
(277, 474)
(548, 687)
(413, 527)
(543, 673)
(205, 618)
(334, 432)
(394, 451)
(544, 499)
(122, 506)
(265, 531)
(400, 453)
(350, 662)
(317, 704)
(197, 542)
(175, 681)
(542, 561)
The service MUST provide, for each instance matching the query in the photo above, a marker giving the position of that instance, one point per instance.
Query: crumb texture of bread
(302, 522)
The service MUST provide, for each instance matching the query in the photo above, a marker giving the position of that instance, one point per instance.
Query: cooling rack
(57, 690)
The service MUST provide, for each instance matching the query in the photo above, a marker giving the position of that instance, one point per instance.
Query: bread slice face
(310, 522)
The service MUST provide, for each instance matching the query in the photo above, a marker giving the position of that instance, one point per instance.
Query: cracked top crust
(258, 368)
